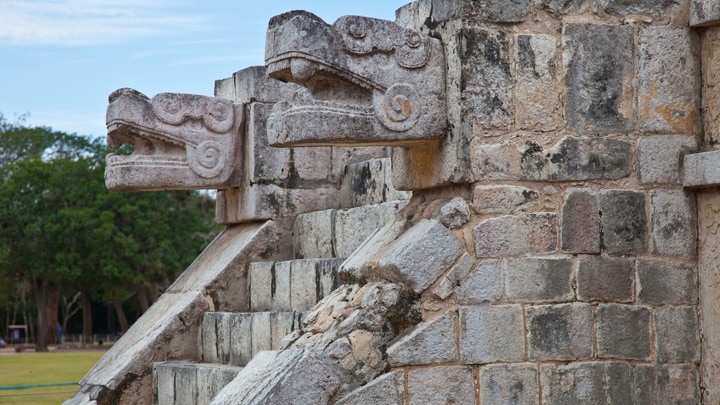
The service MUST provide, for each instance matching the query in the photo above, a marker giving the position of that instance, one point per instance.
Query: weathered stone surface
(281, 377)
(504, 199)
(674, 223)
(182, 383)
(623, 332)
(599, 64)
(608, 279)
(452, 278)
(701, 170)
(313, 234)
(172, 152)
(304, 279)
(662, 282)
(455, 213)
(365, 183)
(419, 256)
(252, 85)
(560, 332)
(491, 333)
(281, 295)
(428, 343)
(580, 229)
(572, 158)
(677, 334)
(516, 234)
(559, 7)
(486, 81)
(710, 42)
(659, 157)
(587, 383)
(537, 88)
(388, 389)
(509, 384)
(539, 280)
(654, 8)
(676, 384)
(345, 155)
(265, 164)
(260, 282)
(406, 98)
(312, 164)
(499, 10)
(709, 294)
(669, 105)
(704, 13)
(354, 225)
(441, 385)
(485, 283)
(624, 222)
(363, 257)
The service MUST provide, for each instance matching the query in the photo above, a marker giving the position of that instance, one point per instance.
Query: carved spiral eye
(168, 102)
(414, 40)
(357, 28)
(218, 115)
(399, 108)
(207, 159)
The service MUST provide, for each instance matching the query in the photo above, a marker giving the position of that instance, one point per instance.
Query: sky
(60, 59)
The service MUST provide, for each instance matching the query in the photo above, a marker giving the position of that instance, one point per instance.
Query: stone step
(178, 383)
(234, 338)
(293, 285)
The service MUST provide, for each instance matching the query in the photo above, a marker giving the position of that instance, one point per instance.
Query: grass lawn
(44, 368)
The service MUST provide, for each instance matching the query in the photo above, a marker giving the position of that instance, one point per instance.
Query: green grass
(44, 368)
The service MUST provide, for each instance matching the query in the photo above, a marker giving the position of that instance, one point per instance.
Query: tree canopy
(62, 232)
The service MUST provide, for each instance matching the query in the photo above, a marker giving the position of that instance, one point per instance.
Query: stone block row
(293, 285)
(178, 383)
(616, 222)
(602, 382)
(559, 332)
(337, 233)
(235, 338)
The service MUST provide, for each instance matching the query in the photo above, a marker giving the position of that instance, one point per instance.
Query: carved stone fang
(404, 70)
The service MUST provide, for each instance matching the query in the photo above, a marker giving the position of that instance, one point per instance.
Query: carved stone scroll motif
(180, 141)
(366, 82)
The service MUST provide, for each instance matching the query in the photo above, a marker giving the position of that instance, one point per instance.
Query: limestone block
(212, 378)
(654, 8)
(607, 279)
(623, 332)
(572, 158)
(427, 343)
(365, 183)
(539, 280)
(659, 157)
(261, 332)
(710, 43)
(509, 384)
(704, 13)
(281, 297)
(253, 85)
(345, 155)
(281, 377)
(537, 86)
(486, 83)
(563, 7)
(419, 256)
(701, 169)
(504, 199)
(594, 383)
(304, 279)
(485, 283)
(313, 234)
(664, 282)
(441, 385)
(452, 279)
(326, 273)
(580, 228)
(208, 338)
(312, 164)
(674, 384)
(260, 282)
(500, 11)
(237, 329)
(182, 383)
(674, 222)
(669, 105)
(265, 163)
(354, 225)
(491, 333)
(388, 389)
(599, 71)
(281, 325)
(560, 332)
(455, 213)
(225, 88)
(624, 222)
(677, 334)
(363, 257)
(516, 234)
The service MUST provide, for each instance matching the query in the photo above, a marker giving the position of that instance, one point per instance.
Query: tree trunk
(154, 292)
(52, 314)
(142, 297)
(87, 318)
(41, 301)
(120, 314)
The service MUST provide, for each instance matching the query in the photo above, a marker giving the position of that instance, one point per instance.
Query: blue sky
(60, 59)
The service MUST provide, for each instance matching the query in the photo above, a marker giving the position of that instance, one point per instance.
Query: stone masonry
(553, 241)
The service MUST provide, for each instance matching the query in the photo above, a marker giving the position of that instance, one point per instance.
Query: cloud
(89, 22)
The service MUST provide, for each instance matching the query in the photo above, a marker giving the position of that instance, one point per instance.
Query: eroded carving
(180, 141)
(367, 82)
